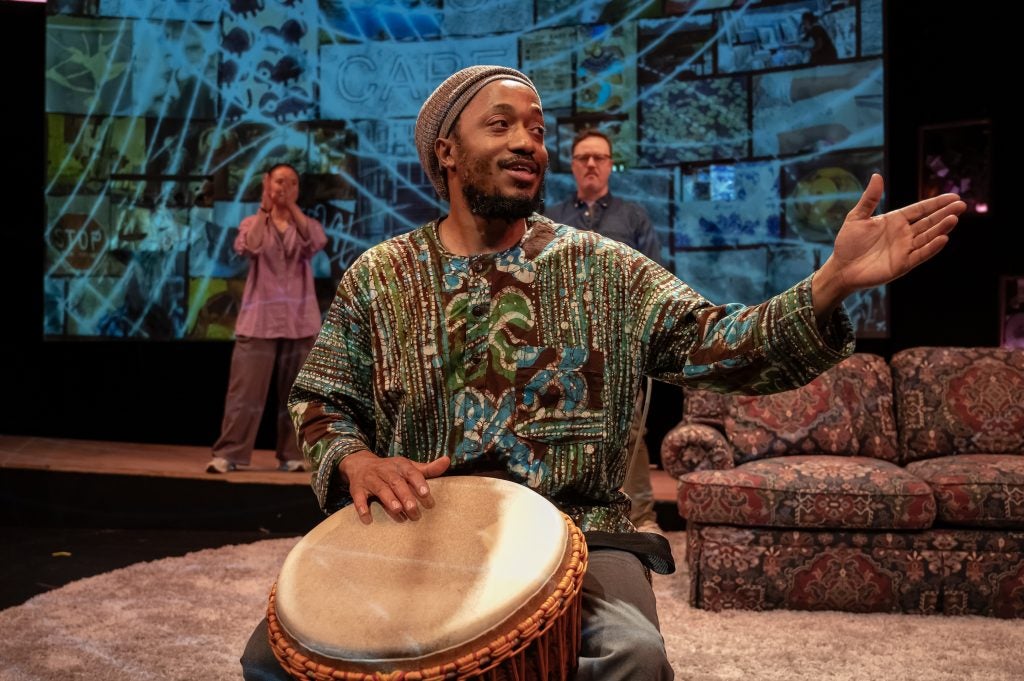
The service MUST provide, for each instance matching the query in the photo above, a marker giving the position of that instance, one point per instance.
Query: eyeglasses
(587, 158)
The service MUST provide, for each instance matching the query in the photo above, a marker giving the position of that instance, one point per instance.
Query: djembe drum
(485, 585)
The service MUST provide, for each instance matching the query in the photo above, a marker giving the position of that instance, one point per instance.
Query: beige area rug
(188, 618)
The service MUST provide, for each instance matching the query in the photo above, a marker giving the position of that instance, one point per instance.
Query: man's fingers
(421, 472)
(928, 223)
(950, 203)
(940, 228)
(389, 500)
(868, 202)
(400, 485)
(407, 486)
(928, 243)
(416, 476)
(418, 484)
(436, 467)
(928, 250)
(362, 505)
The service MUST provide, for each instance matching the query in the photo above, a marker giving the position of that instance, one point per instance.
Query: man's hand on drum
(400, 485)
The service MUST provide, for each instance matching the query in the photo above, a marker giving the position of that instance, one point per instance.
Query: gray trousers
(253, 364)
(621, 636)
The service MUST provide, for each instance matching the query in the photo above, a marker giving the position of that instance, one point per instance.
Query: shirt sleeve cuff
(801, 346)
(331, 492)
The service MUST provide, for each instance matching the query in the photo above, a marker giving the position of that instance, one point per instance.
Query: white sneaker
(292, 466)
(219, 464)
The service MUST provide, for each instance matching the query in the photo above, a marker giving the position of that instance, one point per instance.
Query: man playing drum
(494, 340)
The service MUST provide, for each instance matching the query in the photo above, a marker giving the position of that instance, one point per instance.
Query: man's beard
(499, 207)
(495, 206)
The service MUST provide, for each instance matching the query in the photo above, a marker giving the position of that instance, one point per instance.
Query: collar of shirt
(603, 201)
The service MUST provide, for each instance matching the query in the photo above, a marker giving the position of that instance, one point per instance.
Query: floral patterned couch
(875, 488)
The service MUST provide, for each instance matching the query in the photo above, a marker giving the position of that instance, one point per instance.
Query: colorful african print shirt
(529, 360)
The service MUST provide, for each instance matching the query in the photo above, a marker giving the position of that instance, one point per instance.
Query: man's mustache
(521, 161)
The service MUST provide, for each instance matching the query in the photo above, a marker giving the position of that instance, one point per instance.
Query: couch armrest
(693, 447)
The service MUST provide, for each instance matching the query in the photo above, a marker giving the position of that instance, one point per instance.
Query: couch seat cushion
(979, 490)
(809, 491)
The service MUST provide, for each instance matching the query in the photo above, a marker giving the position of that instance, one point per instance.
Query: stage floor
(74, 508)
(129, 458)
(173, 461)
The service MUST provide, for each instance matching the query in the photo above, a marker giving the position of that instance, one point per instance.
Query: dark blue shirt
(611, 217)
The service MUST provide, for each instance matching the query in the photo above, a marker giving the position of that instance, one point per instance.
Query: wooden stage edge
(173, 461)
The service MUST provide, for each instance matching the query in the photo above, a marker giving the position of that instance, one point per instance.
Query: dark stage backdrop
(941, 65)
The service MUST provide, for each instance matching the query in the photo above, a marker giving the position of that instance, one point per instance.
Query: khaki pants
(637, 483)
(253, 364)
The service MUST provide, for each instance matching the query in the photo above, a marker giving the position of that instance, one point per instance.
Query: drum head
(400, 592)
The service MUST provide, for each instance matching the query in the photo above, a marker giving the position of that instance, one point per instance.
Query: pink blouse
(279, 299)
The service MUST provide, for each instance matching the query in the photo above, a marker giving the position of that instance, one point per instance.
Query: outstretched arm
(871, 250)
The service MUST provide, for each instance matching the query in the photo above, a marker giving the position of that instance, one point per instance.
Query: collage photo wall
(747, 129)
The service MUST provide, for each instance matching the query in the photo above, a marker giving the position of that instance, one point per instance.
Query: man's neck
(590, 197)
(463, 233)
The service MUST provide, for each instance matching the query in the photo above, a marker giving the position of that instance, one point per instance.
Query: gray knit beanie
(438, 113)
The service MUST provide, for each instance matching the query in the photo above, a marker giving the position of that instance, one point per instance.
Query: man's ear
(444, 149)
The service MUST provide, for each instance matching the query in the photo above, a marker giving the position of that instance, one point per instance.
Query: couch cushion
(809, 491)
(959, 401)
(845, 411)
(977, 490)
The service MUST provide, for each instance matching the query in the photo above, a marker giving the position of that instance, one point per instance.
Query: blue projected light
(745, 134)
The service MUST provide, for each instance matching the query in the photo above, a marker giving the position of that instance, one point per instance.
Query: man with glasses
(594, 208)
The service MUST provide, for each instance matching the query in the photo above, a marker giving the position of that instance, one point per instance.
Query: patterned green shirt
(529, 360)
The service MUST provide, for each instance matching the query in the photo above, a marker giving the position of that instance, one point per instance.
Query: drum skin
(485, 584)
